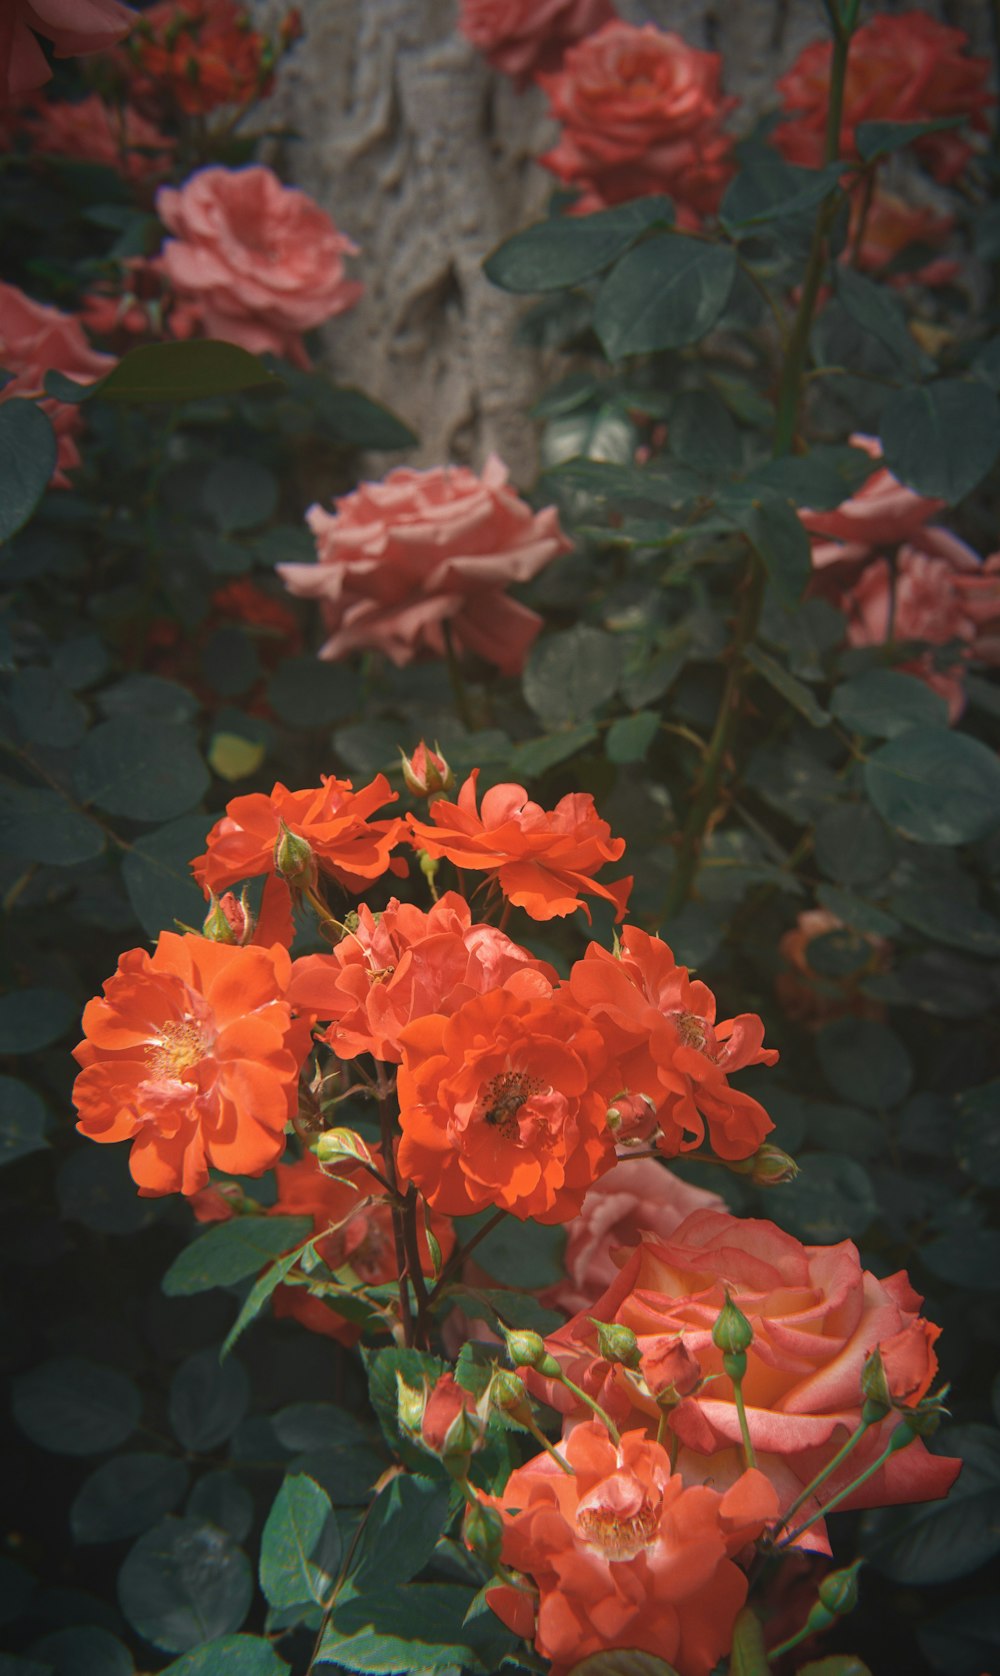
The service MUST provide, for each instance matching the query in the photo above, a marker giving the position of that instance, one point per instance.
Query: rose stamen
(503, 1097)
(176, 1049)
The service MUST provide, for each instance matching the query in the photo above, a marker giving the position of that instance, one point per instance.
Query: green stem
(459, 1256)
(550, 1449)
(455, 676)
(594, 1407)
(793, 1641)
(831, 1467)
(842, 1495)
(748, 1450)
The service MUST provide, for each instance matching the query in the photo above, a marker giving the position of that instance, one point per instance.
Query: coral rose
(424, 554)
(199, 54)
(816, 1315)
(902, 68)
(881, 513)
(623, 1555)
(813, 998)
(194, 1056)
(403, 965)
(909, 1362)
(522, 37)
(663, 1042)
(891, 227)
(332, 820)
(90, 131)
(354, 1216)
(261, 261)
(642, 112)
(34, 340)
(543, 860)
(498, 1107)
(73, 26)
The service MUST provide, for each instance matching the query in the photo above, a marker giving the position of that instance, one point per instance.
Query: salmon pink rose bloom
(36, 339)
(623, 1555)
(664, 1043)
(261, 262)
(890, 228)
(73, 27)
(543, 860)
(194, 1056)
(404, 964)
(902, 68)
(90, 131)
(881, 513)
(641, 112)
(424, 554)
(816, 1315)
(522, 37)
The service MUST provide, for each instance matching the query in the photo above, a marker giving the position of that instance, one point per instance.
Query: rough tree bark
(425, 158)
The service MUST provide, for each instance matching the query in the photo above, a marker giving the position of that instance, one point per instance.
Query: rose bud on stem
(527, 1350)
(733, 1335)
(838, 1595)
(426, 773)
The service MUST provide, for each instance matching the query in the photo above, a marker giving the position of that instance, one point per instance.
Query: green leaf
(412, 1630)
(291, 1533)
(319, 1425)
(773, 528)
(947, 918)
(942, 438)
(157, 875)
(45, 709)
(748, 1657)
(865, 1062)
(231, 1655)
(831, 1199)
(148, 774)
(877, 139)
(769, 189)
(239, 494)
(352, 418)
(855, 912)
(821, 479)
(414, 1366)
(208, 1399)
(27, 461)
(262, 1289)
(400, 1533)
(84, 1650)
(569, 676)
(536, 756)
(668, 292)
(23, 1120)
(963, 1640)
(220, 1499)
(567, 249)
(308, 693)
(630, 737)
(35, 1018)
(171, 372)
(969, 1260)
(517, 1309)
(125, 1496)
(852, 845)
(936, 786)
(942, 1540)
(230, 1251)
(75, 1407)
(703, 435)
(886, 702)
(184, 1583)
(18, 1590)
(978, 1145)
(517, 1253)
(149, 696)
(80, 661)
(41, 825)
(877, 311)
(790, 688)
(94, 1186)
(619, 1661)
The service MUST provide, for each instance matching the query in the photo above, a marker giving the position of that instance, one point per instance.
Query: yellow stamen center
(502, 1099)
(176, 1049)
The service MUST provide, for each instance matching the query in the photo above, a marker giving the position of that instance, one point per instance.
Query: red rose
(91, 131)
(34, 340)
(521, 37)
(73, 26)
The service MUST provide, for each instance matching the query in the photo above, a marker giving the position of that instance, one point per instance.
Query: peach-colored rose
(522, 37)
(815, 1314)
(400, 559)
(642, 112)
(36, 339)
(891, 226)
(640, 1196)
(73, 26)
(909, 1362)
(880, 514)
(92, 132)
(261, 261)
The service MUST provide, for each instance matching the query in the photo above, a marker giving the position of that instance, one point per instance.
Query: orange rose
(662, 1041)
(816, 1315)
(892, 226)
(623, 1555)
(642, 112)
(34, 340)
(902, 68)
(522, 37)
(542, 859)
(194, 1056)
(331, 819)
(403, 965)
(73, 26)
(498, 1107)
(199, 54)
(909, 1362)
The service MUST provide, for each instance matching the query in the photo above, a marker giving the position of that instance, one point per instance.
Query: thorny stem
(385, 1117)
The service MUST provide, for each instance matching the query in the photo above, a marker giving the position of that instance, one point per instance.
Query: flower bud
(526, 1349)
(670, 1370)
(410, 1405)
(429, 866)
(875, 1386)
(925, 1419)
(450, 1427)
(506, 1392)
(229, 920)
(838, 1592)
(732, 1332)
(769, 1166)
(482, 1529)
(426, 773)
(336, 1145)
(293, 858)
(631, 1118)
(617, 1343)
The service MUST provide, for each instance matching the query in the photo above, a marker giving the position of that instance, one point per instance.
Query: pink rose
(261, 262)
(639, 1196)
(34, 340)
(816, 1315)
(521, 37)
(880, 514)
(92, 132)
(892, 226)
(73, 26)
(400, 559)
(642, 112)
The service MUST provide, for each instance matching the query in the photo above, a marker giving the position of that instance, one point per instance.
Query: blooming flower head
(888, 227)
(813, 998)
(905, 67)
(423, 554)
(261, 262)
(642, 112)
(404, 964)
(332, 820)
(92, 131)
(352, 1212)
(815, 1316)
(73, 26)
(623, 1555)
(36, 339)
(663, 1043)
(498, 1108)
(881, 513)
(522, 37)
(193, 1055)
(543, 860)
(198, 55)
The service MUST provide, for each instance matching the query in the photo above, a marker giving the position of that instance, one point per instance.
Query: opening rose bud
(451, 1427)
(293, 858)
(507, 1393)
(426, 773)
(336, 1145)
(229, 920)
(632, 1118)
(670, 1370)
(482, 1530)
(769, 1166)
(411, 1402)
